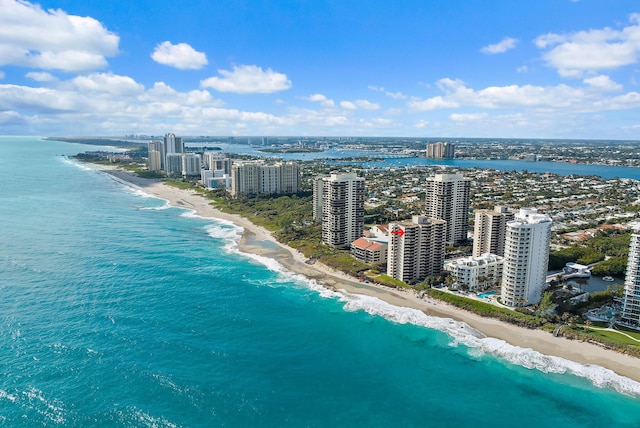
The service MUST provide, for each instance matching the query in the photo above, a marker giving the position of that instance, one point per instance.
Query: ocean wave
(462, 333)
(227, 232)
(82, 166)
(50, 409)
(162, 207)
(138, 417)
(136, 191)
(479, 344)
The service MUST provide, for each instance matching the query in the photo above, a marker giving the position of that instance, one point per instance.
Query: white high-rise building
(416, 249)
(447, 198)
(526, 258)
(173, 144)
(173, 164)
(340, 199)
(631, 296)
(490, 230)
(216, 161)
(191, 164)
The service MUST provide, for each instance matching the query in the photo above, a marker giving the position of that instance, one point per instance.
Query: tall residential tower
(526, 258)
(448, 199)
(338, 200)
(416, 249)
(490, 231)
(631, 297)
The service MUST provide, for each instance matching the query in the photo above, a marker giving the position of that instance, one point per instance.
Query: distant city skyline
(558, 69)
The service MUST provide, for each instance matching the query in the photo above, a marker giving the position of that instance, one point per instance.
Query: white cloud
(592, 50)
(181, 56)
(603, 82)
(559, 98)
(468, 117)
(434, 103)
(348, 105)
(367, 105)
(108, 83)
(394, 95)
(40, 76)
(52, 39)
(319, 98)
(522, 69)
(246, 79)
(504, 45)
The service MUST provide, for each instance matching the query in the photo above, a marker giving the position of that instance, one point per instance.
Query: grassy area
(487, 310)
(182, 184)
(615, 337)
(608, 339)
(633, 333)
(345, 262)
(387, 280)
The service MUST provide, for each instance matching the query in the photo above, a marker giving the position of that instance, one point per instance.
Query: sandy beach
(538, 340)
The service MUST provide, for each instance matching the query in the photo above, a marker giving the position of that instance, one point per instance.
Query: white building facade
(477, 273)
(526, 258)
(173, 164)
(191, 164)
(631, 296)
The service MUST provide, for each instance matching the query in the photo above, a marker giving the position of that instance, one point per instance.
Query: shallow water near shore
(119, 310)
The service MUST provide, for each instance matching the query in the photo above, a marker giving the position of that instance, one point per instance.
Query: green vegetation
(275, 213)
(181, 184)
(488, 310)
(345, 262)
(559, 258)
(386, 280)
(610, 249)
(615, 266)
(608, 339)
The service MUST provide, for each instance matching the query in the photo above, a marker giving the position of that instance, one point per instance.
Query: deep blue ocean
(119, 310)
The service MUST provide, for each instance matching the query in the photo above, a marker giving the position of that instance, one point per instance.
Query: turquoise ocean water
(119, 310)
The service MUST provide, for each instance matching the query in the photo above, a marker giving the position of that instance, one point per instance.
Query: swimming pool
(487, 294)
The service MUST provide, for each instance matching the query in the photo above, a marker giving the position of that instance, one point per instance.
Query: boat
(607, 278)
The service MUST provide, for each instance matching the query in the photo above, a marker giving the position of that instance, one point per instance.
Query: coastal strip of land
(250, 242)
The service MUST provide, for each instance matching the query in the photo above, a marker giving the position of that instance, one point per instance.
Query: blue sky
(461, 68)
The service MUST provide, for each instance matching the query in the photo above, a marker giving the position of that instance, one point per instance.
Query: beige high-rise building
(416, 249)
(490, 231)
(258, 178)
(526, 258)
(289, 178)
(156, 156)
(447, 198)
(338, 200)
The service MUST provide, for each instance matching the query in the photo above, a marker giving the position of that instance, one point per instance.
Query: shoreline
(538, 340)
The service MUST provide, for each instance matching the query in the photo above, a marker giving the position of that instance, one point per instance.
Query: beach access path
(538, 340)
